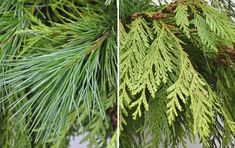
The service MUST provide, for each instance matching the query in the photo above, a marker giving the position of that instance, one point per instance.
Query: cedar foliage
(57, 72)
(177, 73)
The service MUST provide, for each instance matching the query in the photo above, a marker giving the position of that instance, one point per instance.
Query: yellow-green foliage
(158, 61)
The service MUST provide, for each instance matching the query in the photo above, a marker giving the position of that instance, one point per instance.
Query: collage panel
(117, 73)
(58, 73)
(176, 76)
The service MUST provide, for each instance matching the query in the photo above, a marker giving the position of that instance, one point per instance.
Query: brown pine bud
(114, 121)
(226, 61)
(199, 10)
(110, 110)
(135, 15)
(223, 61)
(190, 17)
(232, 56)
(171, 8)
(228, 50)
(159, 15)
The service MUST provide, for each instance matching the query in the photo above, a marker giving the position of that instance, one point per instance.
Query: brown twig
(112, 111)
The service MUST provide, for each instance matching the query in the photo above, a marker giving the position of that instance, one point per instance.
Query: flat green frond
(219, 23)
(131, 67)
(207, 38)
(156, 119)
(123, 34)
(190, 86)
(113, 141)
(179, 90)
(181, 17)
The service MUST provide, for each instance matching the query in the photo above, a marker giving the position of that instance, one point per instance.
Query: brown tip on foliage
(159, 15)
(226, 55)
(112, 111)
(170, 8)
(135, 15)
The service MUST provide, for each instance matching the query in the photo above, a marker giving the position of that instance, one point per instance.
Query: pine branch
(50, 50)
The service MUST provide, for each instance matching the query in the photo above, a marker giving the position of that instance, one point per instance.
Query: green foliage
(113, 141)
(226, 5)
(223, 28)
(168, 76)
(135, 47)
(127, 8)
(58, 70)
(156, 120)
(181, 17)
(208, 39)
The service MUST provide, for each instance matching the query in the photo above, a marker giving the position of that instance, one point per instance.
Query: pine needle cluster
(57, 72)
